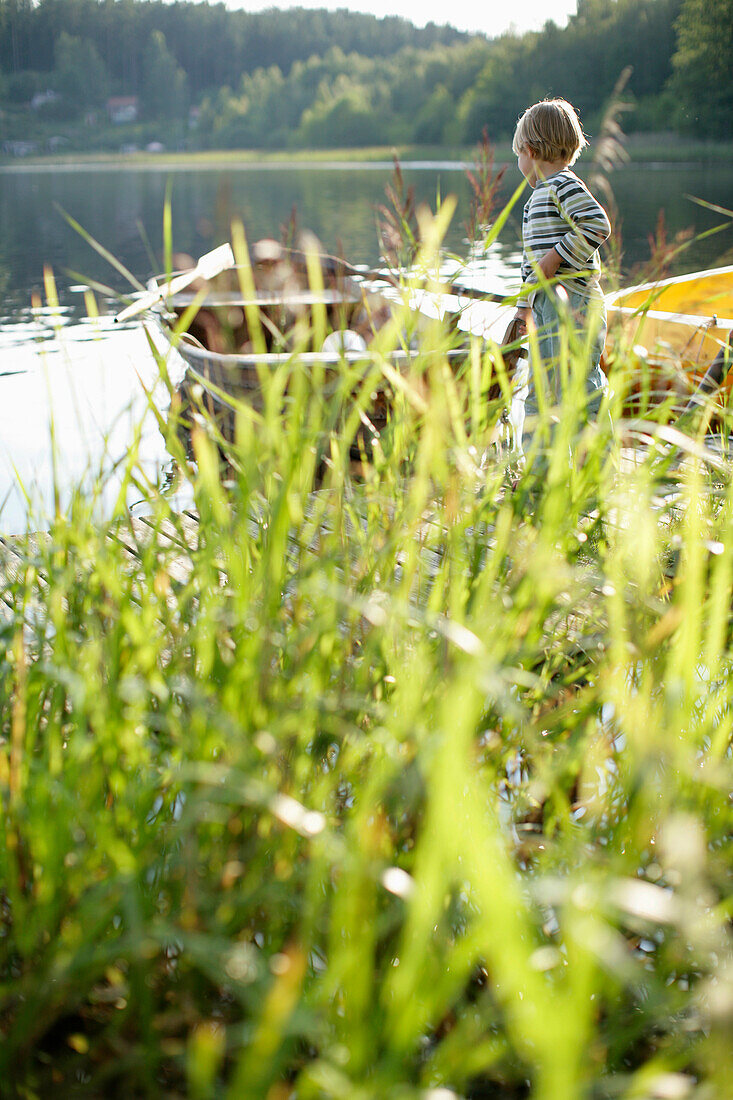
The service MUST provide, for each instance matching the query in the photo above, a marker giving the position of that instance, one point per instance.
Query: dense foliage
(384, 782)
(704, 66)
(311, 78)
(212, 45)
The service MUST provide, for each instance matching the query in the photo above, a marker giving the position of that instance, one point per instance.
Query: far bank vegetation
(95, 74)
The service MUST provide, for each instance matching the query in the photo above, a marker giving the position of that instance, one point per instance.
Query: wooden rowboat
(230, 328)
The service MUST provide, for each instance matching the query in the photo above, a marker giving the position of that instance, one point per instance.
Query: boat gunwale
(310, 358)
(696, 320)
(615, 298)
(229, 299)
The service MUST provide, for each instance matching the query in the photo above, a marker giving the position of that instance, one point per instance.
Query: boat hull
(248, 325)
(677, 330)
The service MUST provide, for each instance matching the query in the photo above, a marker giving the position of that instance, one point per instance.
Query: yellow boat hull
(676, 328)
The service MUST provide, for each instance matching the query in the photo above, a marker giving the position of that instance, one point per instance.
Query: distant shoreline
(641, 149)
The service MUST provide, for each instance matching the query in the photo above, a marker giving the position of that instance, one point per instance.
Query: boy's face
(526, 164)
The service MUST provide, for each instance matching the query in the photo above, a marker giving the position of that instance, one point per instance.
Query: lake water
(122, 207)
(87, 374)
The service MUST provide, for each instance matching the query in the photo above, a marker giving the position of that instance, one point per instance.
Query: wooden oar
(375, 275)
(221, 258)
(209, 265)
(463, 291)
(336, 264)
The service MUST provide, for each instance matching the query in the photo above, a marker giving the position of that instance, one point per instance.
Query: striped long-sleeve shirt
(561, 213)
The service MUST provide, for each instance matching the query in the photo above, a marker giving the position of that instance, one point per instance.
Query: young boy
(562, 229)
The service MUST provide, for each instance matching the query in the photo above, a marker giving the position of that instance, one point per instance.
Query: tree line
(304, 78)
(213, 46)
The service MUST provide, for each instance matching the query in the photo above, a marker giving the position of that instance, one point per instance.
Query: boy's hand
(522, 315)
(517, 329)
(549, 263)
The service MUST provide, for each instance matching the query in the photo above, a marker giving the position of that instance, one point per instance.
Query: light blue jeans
(588, 317)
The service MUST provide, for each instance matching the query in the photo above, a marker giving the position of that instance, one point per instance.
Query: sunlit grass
(368, 780)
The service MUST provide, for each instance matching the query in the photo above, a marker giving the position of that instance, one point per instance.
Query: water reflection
(83, 386)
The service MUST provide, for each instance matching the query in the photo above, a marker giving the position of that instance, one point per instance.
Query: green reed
(380, 779)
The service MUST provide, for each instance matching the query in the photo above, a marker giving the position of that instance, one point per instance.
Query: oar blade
(208, 266)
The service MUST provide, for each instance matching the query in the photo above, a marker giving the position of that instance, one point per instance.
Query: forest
(197, 75)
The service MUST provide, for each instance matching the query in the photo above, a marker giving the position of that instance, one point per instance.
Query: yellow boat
(678, 328)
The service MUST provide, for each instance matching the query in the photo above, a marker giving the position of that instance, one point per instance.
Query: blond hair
(551, 130)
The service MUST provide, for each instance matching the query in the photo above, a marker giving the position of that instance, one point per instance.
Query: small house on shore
(123, 108)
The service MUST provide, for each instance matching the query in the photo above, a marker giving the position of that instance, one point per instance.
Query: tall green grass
(384, 780)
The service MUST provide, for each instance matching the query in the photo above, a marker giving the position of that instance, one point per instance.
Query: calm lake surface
(87, 375)
(122, 207)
